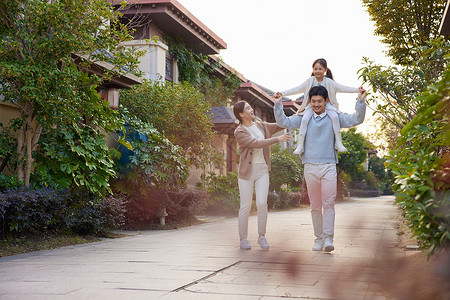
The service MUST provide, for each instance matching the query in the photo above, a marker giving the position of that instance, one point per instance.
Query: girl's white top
(332, 87)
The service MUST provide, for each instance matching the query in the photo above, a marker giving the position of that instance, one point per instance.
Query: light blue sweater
(319, 140)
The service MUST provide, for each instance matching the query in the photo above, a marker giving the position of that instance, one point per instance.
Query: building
(160, 18)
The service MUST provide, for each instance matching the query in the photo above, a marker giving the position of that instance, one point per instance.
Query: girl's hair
(238, 108)
(318, 90)
(323, 63)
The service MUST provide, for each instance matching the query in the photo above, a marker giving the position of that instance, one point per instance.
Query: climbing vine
(199, 71)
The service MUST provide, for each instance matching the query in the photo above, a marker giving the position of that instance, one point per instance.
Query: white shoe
(318, 245)
(245, 245)
(300, 147)
(263, 242)
(338, 143)
(328, 244)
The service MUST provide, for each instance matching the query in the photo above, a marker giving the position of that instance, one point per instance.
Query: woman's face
(247, 114)
(319, 71)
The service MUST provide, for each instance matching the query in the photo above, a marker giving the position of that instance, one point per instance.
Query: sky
(274, 43)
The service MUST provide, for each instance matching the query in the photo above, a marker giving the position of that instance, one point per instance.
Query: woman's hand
(284, 137)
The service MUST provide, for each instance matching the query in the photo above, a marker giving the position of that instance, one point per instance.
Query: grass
(13, 245)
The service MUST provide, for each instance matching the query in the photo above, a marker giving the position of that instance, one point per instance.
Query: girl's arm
(296, 90)
(340, 88)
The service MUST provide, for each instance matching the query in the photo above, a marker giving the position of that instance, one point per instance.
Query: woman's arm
(246, 140)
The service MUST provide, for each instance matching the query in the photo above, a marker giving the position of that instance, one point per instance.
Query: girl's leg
(337, 131)
(303, 126)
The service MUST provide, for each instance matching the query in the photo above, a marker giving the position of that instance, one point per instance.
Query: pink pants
(321, 180)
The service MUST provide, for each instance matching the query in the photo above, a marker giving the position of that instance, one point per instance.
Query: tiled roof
(222, 114)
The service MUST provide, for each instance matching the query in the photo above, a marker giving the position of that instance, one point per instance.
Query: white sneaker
(263, 242)
(245, 245)
(318, 245)
(300, 147)
(338, 143)
(328, 244)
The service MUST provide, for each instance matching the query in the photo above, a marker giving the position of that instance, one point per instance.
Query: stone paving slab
(205, 262)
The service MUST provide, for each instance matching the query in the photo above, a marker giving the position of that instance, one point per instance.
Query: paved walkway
(205, 262)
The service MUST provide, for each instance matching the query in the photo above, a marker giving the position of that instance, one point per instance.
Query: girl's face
(319, 71)
(248, 114)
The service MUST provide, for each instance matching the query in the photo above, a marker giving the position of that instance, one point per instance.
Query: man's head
(318, 97)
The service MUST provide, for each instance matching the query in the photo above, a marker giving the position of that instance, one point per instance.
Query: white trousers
(321, 181)
(258, 181)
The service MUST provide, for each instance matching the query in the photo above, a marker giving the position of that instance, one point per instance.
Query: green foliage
(351, 162)
(8, 145)
(383, 175)
(201, 72)
(76, 156)
(403, 24)
(178, 111)
(398, 87)
(421, 166)
(9, 182)
(154, 163)
(46, 48)
(285, 169)
(223, 190)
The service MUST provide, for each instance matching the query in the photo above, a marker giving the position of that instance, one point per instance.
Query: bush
(25, 210)
(28, 210)
(184, 204)
(223, 191)
(9, 182)
(284, 169)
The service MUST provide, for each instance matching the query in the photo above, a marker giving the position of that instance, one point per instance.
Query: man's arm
(356, 118)
(283, 121)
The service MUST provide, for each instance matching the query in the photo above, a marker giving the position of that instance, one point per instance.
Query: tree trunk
(21, 153)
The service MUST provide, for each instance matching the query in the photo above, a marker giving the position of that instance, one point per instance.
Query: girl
(320, 75)
(254, 139)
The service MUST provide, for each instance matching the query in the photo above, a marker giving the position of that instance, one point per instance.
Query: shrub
(9, 182)
(284, 170)
(223, 190)
(184, 204)
(114, 210)
(26, 210)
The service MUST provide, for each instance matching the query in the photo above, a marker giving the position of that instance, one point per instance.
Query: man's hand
(277, 96)
(361, 93)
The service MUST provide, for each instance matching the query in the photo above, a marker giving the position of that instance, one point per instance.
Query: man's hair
(318, 91)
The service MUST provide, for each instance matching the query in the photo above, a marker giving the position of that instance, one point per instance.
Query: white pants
(321, 180)
(259, 181)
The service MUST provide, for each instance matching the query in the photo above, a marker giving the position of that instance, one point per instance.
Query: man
(320, 158)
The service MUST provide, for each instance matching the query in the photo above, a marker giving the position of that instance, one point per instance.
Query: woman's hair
(323, 63)
(238, 108)
(318, 90)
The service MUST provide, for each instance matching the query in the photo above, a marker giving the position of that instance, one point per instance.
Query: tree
(350, 162)
(398, 87)
(421, 165)
(179, 111)
(46, 49)
(404, 24)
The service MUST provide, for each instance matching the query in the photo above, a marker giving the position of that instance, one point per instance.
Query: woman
(254, 139)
